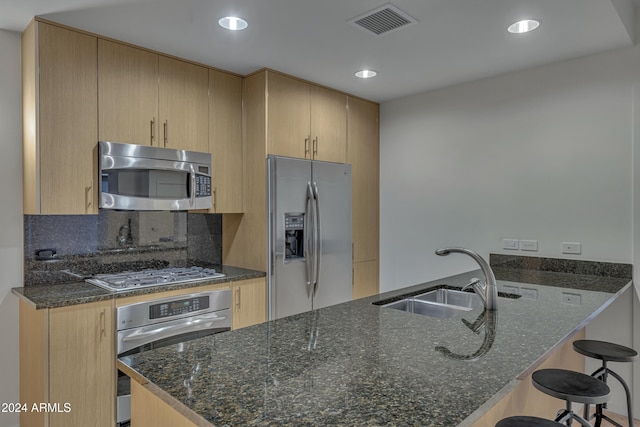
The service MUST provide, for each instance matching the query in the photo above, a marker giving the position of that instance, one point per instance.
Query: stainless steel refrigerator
(309, 235)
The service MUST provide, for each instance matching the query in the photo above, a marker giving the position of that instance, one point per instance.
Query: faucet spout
(487, 291)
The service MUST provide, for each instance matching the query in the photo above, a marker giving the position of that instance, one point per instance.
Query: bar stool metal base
(608, 352)
(526, 421)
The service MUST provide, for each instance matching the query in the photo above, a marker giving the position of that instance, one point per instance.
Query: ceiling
(454, 41)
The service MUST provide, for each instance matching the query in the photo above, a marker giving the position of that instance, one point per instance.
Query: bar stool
(571, 387)
(525, 421)
(608, 352)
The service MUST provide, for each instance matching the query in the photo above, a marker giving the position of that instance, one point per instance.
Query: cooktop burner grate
(166, 276)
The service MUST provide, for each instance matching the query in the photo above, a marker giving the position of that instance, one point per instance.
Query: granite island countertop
(81, 292)
(357, 364)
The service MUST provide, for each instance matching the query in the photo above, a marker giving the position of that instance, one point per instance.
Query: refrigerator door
(334, 269)
(289, 180)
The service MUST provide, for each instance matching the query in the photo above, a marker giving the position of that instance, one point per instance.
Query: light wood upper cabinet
(288, 121)
(328, 125)
(364, 155)
(60, 120)
(150, 99)
(249, 302)
(128, 94)
(225, 141)
(67, 357)
(304, 120)
(184, 104)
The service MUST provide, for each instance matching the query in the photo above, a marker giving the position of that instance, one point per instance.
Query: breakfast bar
(359, 363)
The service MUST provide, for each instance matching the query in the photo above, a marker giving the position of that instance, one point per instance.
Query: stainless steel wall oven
(162, 322)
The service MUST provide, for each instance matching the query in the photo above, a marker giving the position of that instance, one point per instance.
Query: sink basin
(441, 303)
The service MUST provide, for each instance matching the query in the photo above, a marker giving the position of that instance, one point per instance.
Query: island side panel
(525, 399)
(149, 410)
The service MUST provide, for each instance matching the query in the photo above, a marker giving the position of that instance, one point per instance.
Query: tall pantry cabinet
(278, 119)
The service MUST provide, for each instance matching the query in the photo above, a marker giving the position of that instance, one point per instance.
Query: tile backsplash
(89, 244)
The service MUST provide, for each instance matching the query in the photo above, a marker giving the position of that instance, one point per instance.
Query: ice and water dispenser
(293, 236)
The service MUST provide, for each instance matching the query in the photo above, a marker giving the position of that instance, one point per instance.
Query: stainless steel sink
(442, 303)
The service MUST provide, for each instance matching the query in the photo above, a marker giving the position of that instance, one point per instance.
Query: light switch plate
(510, 244)
(529, 245)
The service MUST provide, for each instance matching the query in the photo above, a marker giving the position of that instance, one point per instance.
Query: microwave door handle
(192, 179)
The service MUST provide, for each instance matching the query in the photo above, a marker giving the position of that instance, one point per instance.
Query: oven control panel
(178, 306)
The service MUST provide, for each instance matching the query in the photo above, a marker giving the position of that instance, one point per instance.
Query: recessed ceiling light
(366, 74)
(233, 23)
(523, 26)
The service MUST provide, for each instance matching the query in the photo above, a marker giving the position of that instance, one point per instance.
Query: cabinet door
(184, 104)
(128, 94)
(249, 302)
(363, 154)
(288, 122)
(365, 279)
(328, 125)
(67, 121)
(225, 140)
(82, 364)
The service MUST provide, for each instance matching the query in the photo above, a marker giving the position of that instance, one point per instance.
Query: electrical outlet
(571, 298)
(511, 244)
(528, 293)
(571, 248)
(529, 245)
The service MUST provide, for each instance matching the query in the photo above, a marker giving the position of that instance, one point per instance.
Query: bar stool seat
(608, 352)
(571, 386)
(526, 421)
(605, 351)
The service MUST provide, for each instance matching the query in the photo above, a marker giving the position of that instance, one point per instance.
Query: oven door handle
(160, 332)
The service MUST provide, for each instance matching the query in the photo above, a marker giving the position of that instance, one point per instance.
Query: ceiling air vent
(383, 20)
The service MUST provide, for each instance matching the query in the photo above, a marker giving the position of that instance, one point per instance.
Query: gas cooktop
(129, 280)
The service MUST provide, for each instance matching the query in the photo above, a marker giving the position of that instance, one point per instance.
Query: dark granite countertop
(357, 364)
(72, 293)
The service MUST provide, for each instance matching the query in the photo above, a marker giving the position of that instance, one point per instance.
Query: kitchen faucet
(487, 291)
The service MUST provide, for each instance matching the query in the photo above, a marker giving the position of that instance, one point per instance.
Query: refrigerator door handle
(318, 238)
(308, 236)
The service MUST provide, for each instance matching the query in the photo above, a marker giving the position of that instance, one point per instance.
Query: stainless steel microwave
(143, 178)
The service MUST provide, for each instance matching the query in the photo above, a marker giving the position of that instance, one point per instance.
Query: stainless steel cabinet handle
(88, 196)
(238, 298)
(153, 130)
(166, 133)
(306, 147)
(215, 199)
(315, 147)
(103, 323)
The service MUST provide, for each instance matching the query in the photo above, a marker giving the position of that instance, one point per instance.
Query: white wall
(548, 154)
(542, 154)
(10, 218)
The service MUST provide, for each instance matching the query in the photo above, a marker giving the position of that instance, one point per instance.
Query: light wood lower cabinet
(249, 302)
(67, 361)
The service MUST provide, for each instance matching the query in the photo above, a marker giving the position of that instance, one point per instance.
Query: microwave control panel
(203, 185)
